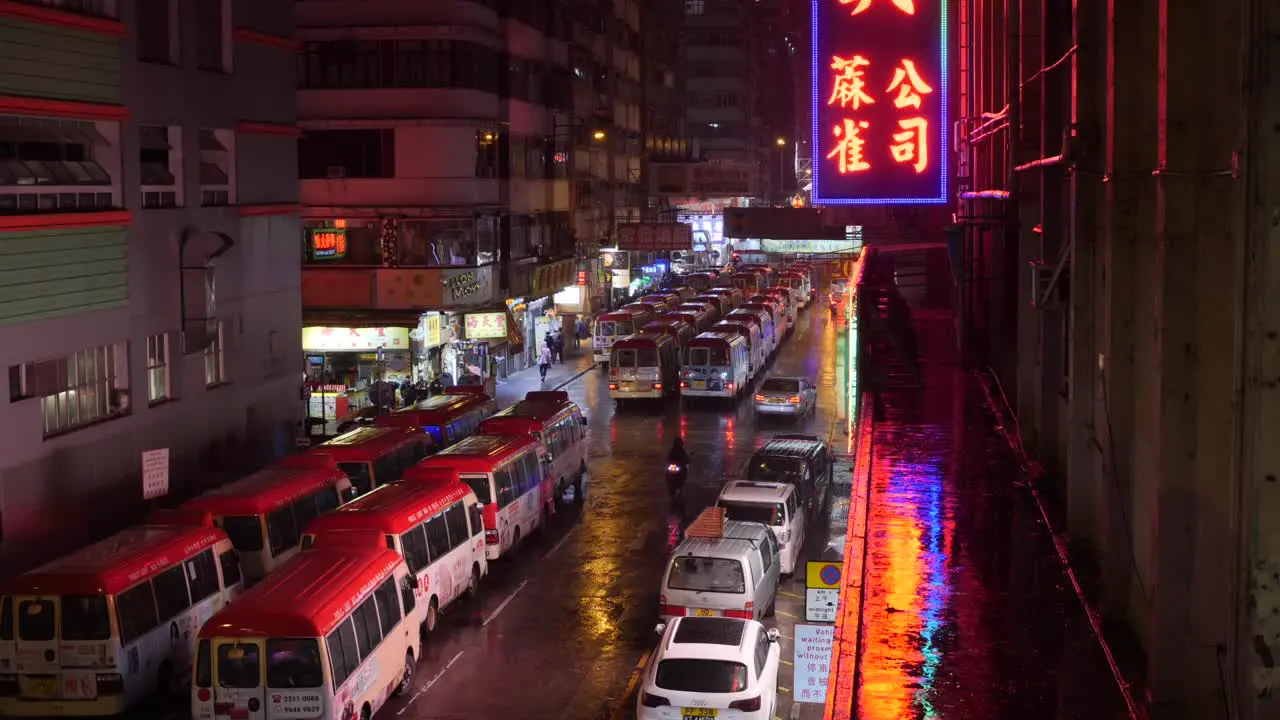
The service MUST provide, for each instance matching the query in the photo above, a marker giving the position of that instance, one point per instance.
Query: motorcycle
(676, 474)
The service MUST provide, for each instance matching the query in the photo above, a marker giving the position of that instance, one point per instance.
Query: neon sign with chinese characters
(880, 128)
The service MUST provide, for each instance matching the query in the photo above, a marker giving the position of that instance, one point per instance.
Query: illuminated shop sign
(486, 326)
(879, 102)
(354, 339)
(327, 243)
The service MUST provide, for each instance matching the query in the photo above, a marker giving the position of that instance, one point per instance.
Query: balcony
(395, 192)
(398, 289)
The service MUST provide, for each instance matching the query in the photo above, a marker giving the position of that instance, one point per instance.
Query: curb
(574, 377)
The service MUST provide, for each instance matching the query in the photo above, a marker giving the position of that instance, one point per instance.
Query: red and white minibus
(797, 282)
(755, 344)
(558, 423)
(700, 281)
(783, 297)
(609, 327)
(373, 455)
(775, 310)
(731, 297)
(264, 514)
(716, 364)
(509, 477)
(645, 367)
(447, 418)
(748, 281)
(762, 319)
(712, 310)
(329, 635)
(662, 302)
(437, 526)
(107, 627)
(677, 329)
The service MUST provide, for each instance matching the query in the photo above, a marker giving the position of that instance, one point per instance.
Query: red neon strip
(64, 221)
(269, 209)
(59, 18)
(261, 128)
(253, 37)
(70, 109)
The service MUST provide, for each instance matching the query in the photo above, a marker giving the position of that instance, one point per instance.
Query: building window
(81, 389)
(160, 166)
(51, 165)
(93, 8)
(157, 25)
(159, 382)
(487, 155)
(215, 357)
(347, 154)
(447, 242)
(216, 172)
(342, 64)
(212, 36)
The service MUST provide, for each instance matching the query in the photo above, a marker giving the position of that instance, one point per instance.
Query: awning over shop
(360, 318)
(551, 278)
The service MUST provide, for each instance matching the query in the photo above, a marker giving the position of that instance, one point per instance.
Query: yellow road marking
(787, 662)
(784, 613)
(786, 593)
(632, 683)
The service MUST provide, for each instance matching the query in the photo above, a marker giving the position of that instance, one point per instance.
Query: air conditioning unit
(336, 171)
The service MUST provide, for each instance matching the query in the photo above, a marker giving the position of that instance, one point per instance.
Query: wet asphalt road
(562, 627)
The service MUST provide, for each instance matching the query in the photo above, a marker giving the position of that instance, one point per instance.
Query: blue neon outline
(944, 128)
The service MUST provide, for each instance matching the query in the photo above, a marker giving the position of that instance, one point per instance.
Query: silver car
(791, 396)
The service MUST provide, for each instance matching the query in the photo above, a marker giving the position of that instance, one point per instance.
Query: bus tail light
(671, 611)
(728, 386)
(657, 386)
(740, 614)
(684, 385)
(748, 705)
(490, 537)
(613, 386)
(110, 684)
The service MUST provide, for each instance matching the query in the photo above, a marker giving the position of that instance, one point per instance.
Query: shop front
(485, 352)
(431, 336)
(343, 363)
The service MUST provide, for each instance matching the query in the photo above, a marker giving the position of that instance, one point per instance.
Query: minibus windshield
(479, 484)
(294, 663)
(85, 617)
(245, 532)
(708, 356)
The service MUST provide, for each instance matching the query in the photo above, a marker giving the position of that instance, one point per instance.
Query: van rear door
(238, 692)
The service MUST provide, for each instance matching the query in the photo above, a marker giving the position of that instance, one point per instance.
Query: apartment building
(443, 145)
(148, 257)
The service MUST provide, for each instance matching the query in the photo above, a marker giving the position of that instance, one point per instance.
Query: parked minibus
(783, 296)
(447, 418)
(731, 296)
(558, 424)
(775, 309)
(698, 320)
(695, 305)
(716, 364)
(662, 302)
(699, 281)
(684, 293)
(510, 480)
(328, 635)
(679, 330)
(644, 367)
(437, 526)
(649, 310)
(798, 283)
(723, 568)
(103, 629)
(373, 455)
(611, 326)
(762, 319)
(757, 352)
(714, 301)
(265, 513)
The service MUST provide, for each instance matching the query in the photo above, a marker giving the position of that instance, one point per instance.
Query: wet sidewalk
(967, 611)
(576, 364)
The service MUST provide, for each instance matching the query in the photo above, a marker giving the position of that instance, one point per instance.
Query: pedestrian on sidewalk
(544, 361)
(558, 348)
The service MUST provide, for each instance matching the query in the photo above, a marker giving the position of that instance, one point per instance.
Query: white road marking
(503, 605)
(558, 545)
(430, 682)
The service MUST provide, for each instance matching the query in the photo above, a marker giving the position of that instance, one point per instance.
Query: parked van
(723, 568)
(774, 504)
(716, 364)
(762, 318)
(783, 296)
(797, 282)
(801, 460)
(757, 352)
(776, 310)
(610, 327)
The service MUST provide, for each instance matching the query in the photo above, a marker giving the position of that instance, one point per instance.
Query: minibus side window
(172, 596)
(202, 576)
(358, 474)
(327, 499)
(282, 529)
(230, 562)
(477, 519)
(386, 469)
(456, 518)
(388, 605)
(136, 612)
(368, 632)
(416, 555)
(437, 537)
(304, 511)
(294, 663)
(6, 618)
(532, 468)
(406, 594)
(344, 657)
(505, 485)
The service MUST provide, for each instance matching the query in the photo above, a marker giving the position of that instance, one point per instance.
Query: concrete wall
(59, 493)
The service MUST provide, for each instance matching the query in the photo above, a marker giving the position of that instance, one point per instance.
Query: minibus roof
(266, 490)
(478, 453)
(307, 596)
(391, 509)
(365, 443)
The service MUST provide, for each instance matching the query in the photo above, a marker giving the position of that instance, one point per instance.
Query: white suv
(712, 667)
(773, 504)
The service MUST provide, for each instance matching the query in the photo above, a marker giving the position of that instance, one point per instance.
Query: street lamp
(782, 161)
(782, 142)
(598, 135)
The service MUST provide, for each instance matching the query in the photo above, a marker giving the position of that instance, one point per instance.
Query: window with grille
(215, 167)
(215, 360)
(159, 381)
(160, 166)
(50, 165)
(84, 388)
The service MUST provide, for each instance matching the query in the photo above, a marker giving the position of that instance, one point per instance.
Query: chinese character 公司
(848, 152)
(906, 6)
(912, 145)
(909, 86)
(850, 86)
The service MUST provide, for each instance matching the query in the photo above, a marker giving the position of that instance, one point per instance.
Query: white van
(722, 569)
(772, 504)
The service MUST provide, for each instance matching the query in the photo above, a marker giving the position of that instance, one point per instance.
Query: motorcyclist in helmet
(678, 455)
(677, 468)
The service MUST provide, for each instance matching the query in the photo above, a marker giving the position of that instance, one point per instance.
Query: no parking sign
(822, 591)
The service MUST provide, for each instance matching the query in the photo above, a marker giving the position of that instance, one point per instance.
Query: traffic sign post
(822, 591)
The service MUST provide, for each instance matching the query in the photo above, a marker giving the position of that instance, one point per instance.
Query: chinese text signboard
(486, 326)
(328, 243)
(812, 662)
(879, 98)
(339, 339)
(655, 237)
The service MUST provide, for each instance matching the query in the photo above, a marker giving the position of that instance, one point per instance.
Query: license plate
(699, 384)
(703, 612)
(776, 401)
(42, 688)
(690, 713)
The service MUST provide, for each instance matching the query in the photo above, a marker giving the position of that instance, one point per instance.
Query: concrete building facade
(148, 256)
(1118, 202)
